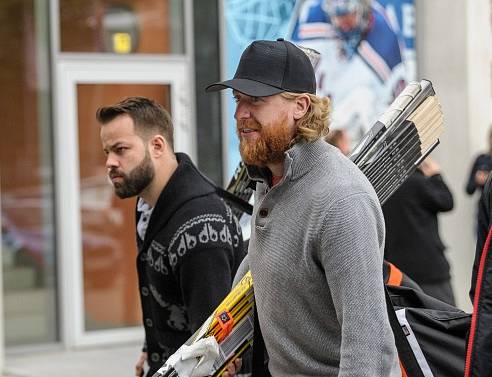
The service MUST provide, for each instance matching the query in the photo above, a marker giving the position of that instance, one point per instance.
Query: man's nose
(111, 161)
(345, 27)
(345, 23)
(242, 111)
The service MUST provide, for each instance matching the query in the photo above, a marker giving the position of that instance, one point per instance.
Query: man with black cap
(317, 239)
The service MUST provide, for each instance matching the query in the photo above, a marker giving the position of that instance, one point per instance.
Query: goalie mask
(350, 19)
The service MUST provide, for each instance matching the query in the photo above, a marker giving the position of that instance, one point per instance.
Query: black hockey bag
(430, 335)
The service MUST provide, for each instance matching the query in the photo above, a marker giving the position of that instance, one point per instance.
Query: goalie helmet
(350, 19)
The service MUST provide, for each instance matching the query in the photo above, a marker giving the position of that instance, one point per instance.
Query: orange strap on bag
(395, 275)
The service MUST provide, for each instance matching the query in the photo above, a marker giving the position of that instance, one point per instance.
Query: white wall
(453, 41)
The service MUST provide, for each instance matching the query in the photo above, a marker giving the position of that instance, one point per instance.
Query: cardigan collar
(185, 183)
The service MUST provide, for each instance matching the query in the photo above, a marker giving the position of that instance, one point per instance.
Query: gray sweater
(316, 254)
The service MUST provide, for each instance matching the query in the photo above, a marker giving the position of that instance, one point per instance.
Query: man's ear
(158, 145)
(302, 103)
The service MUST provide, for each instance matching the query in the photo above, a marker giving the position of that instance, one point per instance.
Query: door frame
(70, 71)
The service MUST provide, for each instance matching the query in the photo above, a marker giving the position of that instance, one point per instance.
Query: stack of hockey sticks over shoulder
(388, 154)
(403, 136)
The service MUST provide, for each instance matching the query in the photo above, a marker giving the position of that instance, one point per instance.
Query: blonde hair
(315, 124)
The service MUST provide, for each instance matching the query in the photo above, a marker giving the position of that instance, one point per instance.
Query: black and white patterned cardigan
(186, 261)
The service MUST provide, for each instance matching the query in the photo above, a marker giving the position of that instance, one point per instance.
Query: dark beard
(270, 147)
(136, 181)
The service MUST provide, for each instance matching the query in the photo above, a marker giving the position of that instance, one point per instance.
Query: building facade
(68, 250)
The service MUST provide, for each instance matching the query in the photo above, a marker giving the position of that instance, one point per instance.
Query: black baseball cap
(271, 67)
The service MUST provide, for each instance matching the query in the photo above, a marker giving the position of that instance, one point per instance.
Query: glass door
(26, 178)
(100, 302)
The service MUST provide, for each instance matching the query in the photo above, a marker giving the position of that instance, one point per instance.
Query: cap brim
(248, 87)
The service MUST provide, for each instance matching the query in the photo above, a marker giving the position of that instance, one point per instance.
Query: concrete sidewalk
(117, 361)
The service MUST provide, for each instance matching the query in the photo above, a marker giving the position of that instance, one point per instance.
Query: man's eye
(236, 99)
(255, 99)
(120, 150)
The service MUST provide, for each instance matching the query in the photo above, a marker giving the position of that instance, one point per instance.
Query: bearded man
(317, 232)
(189, 243)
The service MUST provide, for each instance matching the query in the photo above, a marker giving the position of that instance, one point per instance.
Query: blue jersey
(380, 47)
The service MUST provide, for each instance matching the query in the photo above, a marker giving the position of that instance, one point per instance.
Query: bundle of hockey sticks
(388, 154)
(401, 139)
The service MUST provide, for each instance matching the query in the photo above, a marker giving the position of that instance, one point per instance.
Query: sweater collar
(184, 184)
(299, 160)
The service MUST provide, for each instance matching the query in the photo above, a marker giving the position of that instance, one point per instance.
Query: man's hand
(139, 366)
(481, 177)
(233, 368)
(429, 167)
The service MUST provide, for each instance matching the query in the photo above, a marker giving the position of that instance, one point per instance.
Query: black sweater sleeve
(436, 195)
(470, 184)
(480, 163)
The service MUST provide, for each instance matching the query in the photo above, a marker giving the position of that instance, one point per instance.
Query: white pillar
(453, 42)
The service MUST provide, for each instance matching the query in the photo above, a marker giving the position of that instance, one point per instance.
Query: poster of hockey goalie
(367, 51)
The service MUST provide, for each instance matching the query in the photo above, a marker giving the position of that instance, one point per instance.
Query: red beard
(274, 139)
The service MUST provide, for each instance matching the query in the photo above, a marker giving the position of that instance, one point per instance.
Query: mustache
(248, 124)
(113, 173)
